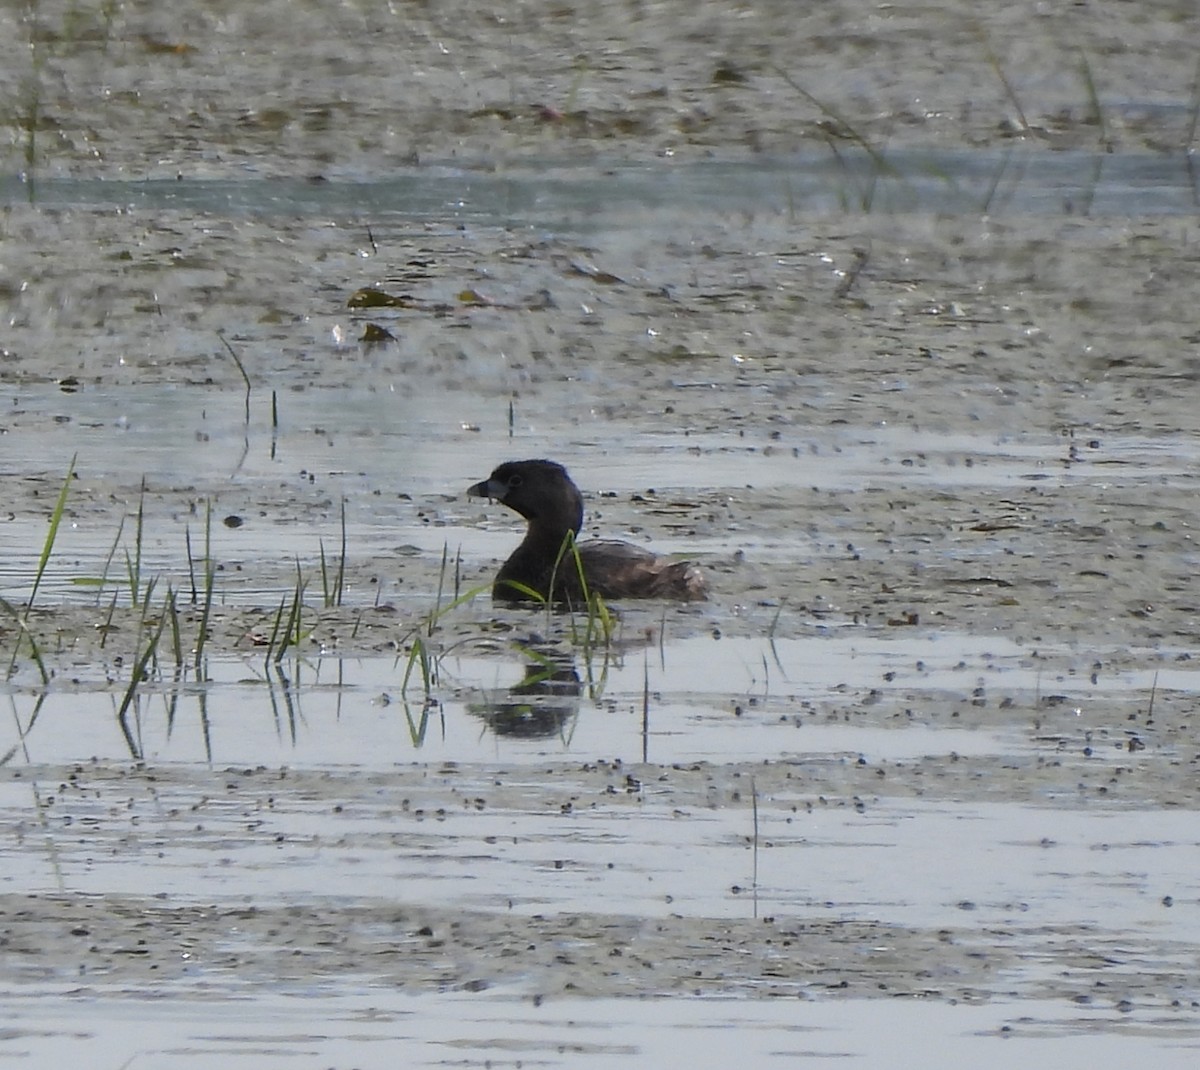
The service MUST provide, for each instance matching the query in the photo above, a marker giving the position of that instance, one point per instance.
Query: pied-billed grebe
(542, 492)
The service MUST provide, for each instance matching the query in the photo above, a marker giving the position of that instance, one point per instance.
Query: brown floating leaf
(976, 581)
(993, 525)
(728, 74)
(373, 334)
(587, 271)
(157, 46)
(369, 297)
(909, 620)
(540, 301)
(681, 352)
(473, 297)
(493, 113)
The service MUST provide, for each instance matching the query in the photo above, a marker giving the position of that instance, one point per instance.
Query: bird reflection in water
(543, 704)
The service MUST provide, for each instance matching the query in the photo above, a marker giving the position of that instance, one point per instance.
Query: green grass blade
(339, 586)
(191, 560)
(108, 621)
(1009, 92)
(1089, 84)
(326, 593)
(209, 582)
(241, 368)
(416, 653)
(134, 565)
(275, 630)
(437, 605)
(475, 592)
(48, 545)
(112, 553)
(176, 641)
(516, 585)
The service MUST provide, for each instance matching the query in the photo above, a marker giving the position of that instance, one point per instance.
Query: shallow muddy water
(549, 194)
(896, 341)
(601, 1032)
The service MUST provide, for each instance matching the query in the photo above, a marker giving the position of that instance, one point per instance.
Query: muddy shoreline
(120, 942)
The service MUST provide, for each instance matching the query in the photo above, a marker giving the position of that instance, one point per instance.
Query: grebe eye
(515, 481)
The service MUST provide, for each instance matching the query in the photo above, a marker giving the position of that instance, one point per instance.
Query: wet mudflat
(923, 766)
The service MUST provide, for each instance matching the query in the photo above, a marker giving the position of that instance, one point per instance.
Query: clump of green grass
(588, 627)
(846, 130)
(289, 632)
(598, 622)
(423, 656)
(161, 635)
(844, 124)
